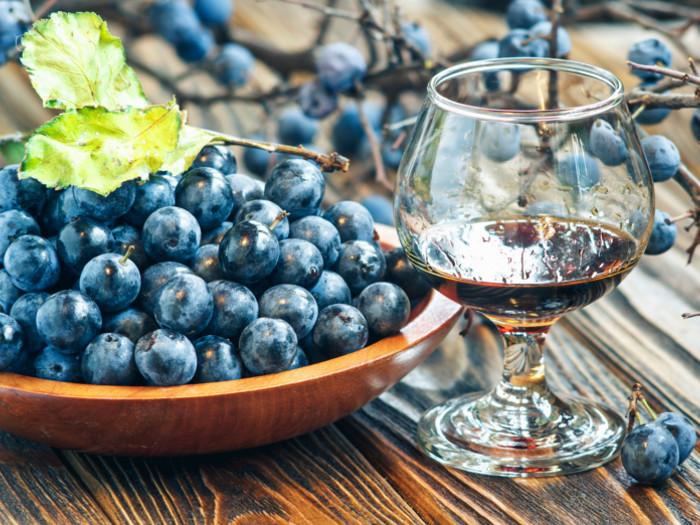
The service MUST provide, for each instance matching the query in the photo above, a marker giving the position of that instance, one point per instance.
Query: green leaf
(73, 62)
(191, 141)
(98, 149)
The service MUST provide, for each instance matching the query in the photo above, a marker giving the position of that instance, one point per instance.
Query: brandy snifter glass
(523, 195)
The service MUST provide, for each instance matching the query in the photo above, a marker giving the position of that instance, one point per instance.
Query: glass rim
(527, 64)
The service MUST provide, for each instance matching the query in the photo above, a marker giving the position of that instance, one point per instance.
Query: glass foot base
(559, 437)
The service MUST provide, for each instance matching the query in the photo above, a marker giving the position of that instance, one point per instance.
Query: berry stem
(632, 410)
(42, 10)
(279, 218)
(649, 410)
(128, 253)
(688, 215)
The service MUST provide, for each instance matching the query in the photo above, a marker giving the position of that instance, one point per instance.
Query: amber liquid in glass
(530, 268)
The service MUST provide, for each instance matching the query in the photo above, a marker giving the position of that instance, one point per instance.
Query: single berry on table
(649, 454)
(682, 431)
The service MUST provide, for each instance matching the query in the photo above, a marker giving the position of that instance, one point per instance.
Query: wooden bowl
(225, 416)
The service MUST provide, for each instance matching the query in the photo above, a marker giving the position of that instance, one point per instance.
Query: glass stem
(522, 399)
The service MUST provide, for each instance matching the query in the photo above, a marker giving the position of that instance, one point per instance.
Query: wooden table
(367, 468)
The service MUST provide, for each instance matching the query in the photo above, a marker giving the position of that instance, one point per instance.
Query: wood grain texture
(317, 478)
(367, 467)
(36, 487)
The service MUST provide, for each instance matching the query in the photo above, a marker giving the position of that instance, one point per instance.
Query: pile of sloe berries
(209, 275)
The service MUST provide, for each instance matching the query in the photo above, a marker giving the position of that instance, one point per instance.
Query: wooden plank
(441, 495)
(317, 478)
(36, 487)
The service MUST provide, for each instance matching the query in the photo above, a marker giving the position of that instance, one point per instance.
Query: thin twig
(666, 71)
(628, 12)
(553, 85)
(663, 100)
(325, 25)
(327, 10)
(632, 410)
(693, 67)
(380, 173)
(330, 162)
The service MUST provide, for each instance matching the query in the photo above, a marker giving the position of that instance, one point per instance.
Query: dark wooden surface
(367, 468)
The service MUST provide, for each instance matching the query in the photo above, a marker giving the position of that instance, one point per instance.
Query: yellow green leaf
(190, 142)
(98, 149)
(73, 61)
